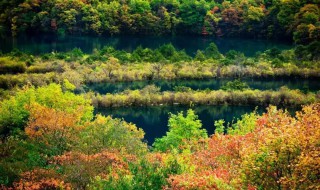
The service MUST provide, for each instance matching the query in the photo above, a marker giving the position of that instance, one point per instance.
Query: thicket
(64, 147)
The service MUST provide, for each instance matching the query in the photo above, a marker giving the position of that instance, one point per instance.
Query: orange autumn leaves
(282, 152)
(50, 126)
(76, 168)
(272, 151)
(285, 150)
(40, 179)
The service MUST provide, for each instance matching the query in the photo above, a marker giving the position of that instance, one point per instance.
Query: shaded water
(154, 120)
(48, 43)
(305, 85)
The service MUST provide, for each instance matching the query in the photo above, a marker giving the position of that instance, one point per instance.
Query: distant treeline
(297, 20)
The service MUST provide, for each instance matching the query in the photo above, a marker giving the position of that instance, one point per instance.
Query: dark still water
(46, 43)
(154, 120)
(305, 85)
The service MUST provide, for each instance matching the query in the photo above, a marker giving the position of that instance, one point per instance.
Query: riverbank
(164, 63)
(42, 73)
(149, 96)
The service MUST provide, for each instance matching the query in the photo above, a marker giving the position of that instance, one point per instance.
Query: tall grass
(283, 97)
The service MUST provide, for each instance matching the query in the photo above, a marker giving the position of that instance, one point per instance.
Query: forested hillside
(289, 19)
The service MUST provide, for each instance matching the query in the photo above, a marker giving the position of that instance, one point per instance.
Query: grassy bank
(150, 96)
(165, 63)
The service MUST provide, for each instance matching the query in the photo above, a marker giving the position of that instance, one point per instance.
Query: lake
(154, 120)
(305, 85)
(49, 43)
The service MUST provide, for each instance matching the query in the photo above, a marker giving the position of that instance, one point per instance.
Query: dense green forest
(52, 135)
(268, 19)
(290, 20)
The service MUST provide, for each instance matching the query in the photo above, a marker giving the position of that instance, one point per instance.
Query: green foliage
(68, 86)
(18, 155)
(267, 19)
(245, 125)
(219, 126)
(74, 55)
(200, 56)
(152, 175)
(140, 6)
(308, 52)
(145, 174)
(235, 58)
(14, 113)
(212, 51)
(235, 85)
(181, 129)
(113, 134)
(167, 50)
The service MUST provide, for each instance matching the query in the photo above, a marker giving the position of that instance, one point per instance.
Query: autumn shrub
(150, 172)
(78, 168)
(282, 145)
(215, 166)
(39, 179)
(18, 155)
(272, 151)
(56, 131)
(74, 170)
(105, 133)
(14, 113)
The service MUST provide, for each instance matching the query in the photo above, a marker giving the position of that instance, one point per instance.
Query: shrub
(212, 51)
(105, 133)
(235, 85)
(14, 113)
(181, 129)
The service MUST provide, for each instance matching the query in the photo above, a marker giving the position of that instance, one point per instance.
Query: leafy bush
(235, 85)
(112, 134)
(212, 51)
(18, 155)
(14, 113)
(180, 129)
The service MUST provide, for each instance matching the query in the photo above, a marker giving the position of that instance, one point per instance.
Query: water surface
(49, 43)
(154, 120)
(305, 85)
